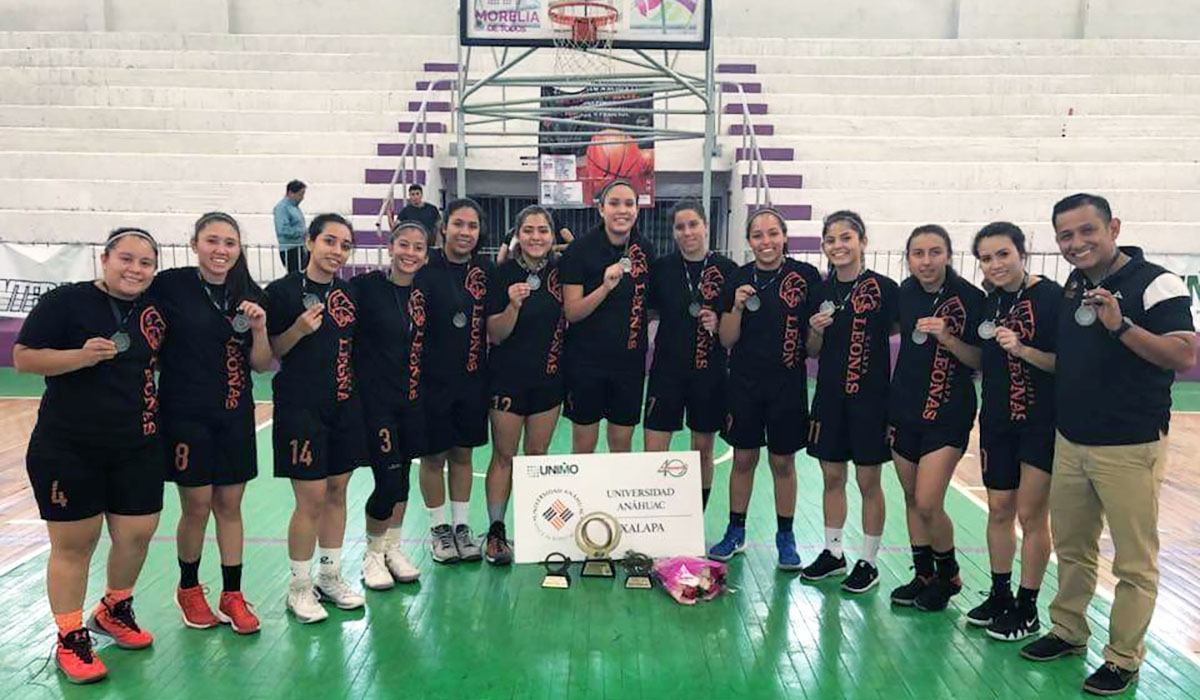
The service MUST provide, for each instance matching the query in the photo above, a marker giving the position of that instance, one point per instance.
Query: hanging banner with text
(29, 270)
(654, 497)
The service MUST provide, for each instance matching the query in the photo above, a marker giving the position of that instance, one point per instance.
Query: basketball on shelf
(612, 153)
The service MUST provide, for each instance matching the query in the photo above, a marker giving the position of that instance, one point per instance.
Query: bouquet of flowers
(689, 579)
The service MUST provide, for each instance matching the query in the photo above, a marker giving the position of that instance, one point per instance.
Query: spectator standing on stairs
(419, 210)
(289, 227)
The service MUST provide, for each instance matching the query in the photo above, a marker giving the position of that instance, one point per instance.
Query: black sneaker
(991, 609)
(497, 551)
(1014, 624)
(863, 578)
(825, 566)
(937, 594)
(907, 594)
(1109, 679)
(1049, 648)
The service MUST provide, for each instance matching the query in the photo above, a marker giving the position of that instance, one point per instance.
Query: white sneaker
(335, 589)
(399, 565)
(375, 574)
(302, 601)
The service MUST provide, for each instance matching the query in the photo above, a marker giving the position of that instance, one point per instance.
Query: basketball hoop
(583, 20)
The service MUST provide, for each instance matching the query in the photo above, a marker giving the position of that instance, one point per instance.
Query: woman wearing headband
(526, 326)
(932, 408)
(605, 276)
(765, 307)
(318, 435)
(381, 355)
(218, 335)
(448, 358)
(95, 455)
(851, 334)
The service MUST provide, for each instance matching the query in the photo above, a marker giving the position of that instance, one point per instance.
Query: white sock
(301, 571)
(392, 538)
(871, 548)
(376, 543)
(833, 541)
(331, 561)
(459, 510)
(437, 516)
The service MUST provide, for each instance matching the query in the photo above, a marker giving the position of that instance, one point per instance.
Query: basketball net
(583, 38)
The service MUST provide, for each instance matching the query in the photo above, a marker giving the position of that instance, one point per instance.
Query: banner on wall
(27, 271)
(1187, 267)
(577, 160)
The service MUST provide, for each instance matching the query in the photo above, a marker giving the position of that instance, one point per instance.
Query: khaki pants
(1120, 483)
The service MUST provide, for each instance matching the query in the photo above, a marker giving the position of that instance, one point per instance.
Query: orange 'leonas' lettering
(149, 401)
(1021, 395)
(235, 373)
(475, 345)
(637, 305)
(560, 329)
(941, 377)
(858, 359)
(416, 314)
(711, 279)
(791, 340)
(343, 373)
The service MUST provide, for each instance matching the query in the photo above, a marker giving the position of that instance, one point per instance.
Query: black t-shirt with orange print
(318, 371)
(1016, 393)
(773, 337)
(855, 360)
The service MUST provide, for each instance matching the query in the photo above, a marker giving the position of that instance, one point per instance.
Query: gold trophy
(558, 571)
(598, 564)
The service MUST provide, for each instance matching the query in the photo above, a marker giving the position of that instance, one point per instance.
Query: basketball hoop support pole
(709, 126)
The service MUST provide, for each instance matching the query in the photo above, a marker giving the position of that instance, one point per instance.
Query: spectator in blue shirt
(289, 227)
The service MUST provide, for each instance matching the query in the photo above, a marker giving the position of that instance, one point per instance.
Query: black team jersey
(932, 387)
(532, 354)
(613, 336)
(381, 345)
(318, 371)
(682, 344)
(114, 402)
(204, 364)
(855, 363)
(439, 349)
(773, 337)
(1015, 393)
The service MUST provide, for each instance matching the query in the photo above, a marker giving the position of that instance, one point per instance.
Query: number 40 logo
(674, 468)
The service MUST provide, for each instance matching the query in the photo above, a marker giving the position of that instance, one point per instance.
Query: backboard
(641, 24)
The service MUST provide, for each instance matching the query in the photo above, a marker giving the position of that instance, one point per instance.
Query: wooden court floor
(471, 631)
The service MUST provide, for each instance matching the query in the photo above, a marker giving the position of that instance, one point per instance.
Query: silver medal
(627, 265)
(121, 340)
(919, 337)
(1086, 315)
(310, 300)
(459, 320)
(828, 307)
(987, 330)
(534, 282)
(694, 309)
(753, 303)
(240, 323)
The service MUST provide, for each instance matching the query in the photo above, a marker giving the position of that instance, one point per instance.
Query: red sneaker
(117, 621)
(76, 659)
(234, 611)
(196, 613)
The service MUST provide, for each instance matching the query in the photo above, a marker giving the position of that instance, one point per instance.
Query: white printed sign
(27, 271)
(654, 497)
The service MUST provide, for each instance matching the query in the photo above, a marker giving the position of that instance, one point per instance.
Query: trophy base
(598, 568)
(556, 581)
(639, 582)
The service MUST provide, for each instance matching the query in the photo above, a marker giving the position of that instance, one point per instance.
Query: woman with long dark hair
(218, 334)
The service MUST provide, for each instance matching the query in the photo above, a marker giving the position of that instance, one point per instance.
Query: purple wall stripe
(782, 182)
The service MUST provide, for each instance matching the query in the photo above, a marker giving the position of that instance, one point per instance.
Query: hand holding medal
(823, 318)
(708, 319)
(930, 325)
(1099, 304)
(309, 322)
(1009, 341)
(746, 297)
(519, 292)
(612, 276)
(97, 350)
(250, 316)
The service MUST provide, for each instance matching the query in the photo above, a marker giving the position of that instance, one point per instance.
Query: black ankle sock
(189, 574)
(946, 564)
(923, 559)
(784, 523)
(231, 578)
(737, 519)
(704, 498)
(1027, 597)
(1002, 583)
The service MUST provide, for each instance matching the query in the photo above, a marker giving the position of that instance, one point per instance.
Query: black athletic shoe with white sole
(862, 578)
(826, 565)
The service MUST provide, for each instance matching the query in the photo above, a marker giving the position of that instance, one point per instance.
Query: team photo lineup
(149, 377)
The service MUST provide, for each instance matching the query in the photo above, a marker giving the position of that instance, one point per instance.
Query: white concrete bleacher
(102, 129)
